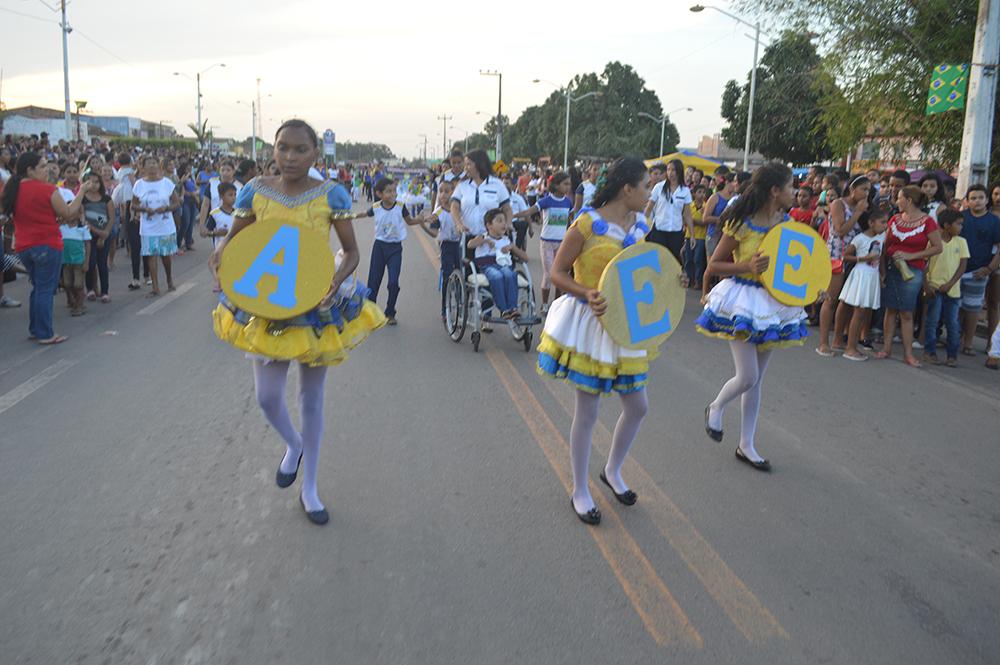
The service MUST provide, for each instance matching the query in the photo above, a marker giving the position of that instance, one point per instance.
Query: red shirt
(909, 240)
(35, 221)
(801, 215)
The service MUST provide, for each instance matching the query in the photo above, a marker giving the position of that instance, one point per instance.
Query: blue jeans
(385, 255)
(503, 286)
(694, 261)
(43, 265)
(940, 307)
(189, 218)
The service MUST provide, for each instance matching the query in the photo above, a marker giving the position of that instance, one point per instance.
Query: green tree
(348, 151)
(201, 134)
(882, 54)
(792, 89)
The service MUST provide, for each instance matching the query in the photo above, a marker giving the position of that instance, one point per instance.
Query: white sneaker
(917, 345)
(9, 302)
(545, 309)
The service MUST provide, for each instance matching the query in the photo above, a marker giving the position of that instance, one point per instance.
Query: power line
(31, 16)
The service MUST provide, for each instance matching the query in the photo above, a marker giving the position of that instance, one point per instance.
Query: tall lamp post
(569, 100)
(663, 122)
(253, 127)
(198, 84)
(499, 76)
(753, 73)
(80, 104)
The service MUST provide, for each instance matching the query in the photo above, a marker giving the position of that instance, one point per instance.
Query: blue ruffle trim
(340, 314)
(747, 282)
(623, 383)
(741, 327)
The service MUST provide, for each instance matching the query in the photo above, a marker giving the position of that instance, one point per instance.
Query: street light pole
(753, 73)
(569, 100)
(974, 158)
(663, 122)
(444, 143)
(65, 31)
(197, 80)
(499, 76)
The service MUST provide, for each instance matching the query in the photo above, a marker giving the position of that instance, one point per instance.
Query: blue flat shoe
(320, 517)
(286, 479)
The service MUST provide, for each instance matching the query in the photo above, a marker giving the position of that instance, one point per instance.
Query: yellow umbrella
(689, 158)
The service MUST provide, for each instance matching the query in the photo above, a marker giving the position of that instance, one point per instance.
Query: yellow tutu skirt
(319, 337)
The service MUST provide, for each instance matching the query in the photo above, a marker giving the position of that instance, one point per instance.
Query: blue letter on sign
(786, 260)
(285, 240)
(632, 297)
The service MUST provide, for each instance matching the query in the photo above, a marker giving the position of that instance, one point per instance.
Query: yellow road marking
(660, 613)
(742, 607)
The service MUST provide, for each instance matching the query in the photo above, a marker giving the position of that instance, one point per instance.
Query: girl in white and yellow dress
(739, 309)
(317, 339)
(574, 344)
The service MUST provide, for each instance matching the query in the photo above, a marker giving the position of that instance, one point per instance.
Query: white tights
(269, 379)
(634, 406)
(751, 363)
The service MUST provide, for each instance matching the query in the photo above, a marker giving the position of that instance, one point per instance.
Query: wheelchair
(467, 297)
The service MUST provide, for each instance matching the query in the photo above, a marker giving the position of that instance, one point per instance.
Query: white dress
(862, 288)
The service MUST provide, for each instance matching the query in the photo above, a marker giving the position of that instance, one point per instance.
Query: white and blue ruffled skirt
(743, 310)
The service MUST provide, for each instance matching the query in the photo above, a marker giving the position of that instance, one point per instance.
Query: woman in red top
(911, 239)
(35, 204)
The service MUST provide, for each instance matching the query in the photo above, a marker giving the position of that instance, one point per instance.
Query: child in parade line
(493, 256)
(99, 216)
(912, 238)
(739, 309)
(442, 227)
(220, 220)
(694, 247)
(320, 338)
(575, 345)
(942, 291)
(522, 227)
(585, 191)
(391, 220)
(862, 288)
(555, 207)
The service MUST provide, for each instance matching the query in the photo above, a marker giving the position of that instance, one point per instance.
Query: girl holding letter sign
(288, 207)
(575, 345)
(741, 310)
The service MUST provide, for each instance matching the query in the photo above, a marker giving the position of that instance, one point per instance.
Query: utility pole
(499, 76)
(198, 84)
(65, 31)
(253, 114)
(260, 114)
(444, 120)
(977, 136)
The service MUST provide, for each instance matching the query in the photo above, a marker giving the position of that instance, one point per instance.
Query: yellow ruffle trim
(584, 364)
(298, 343)
(779, 344)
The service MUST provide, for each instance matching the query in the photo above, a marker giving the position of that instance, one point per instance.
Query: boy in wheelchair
(494, 252)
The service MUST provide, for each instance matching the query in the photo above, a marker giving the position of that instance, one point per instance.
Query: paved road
(141, 523)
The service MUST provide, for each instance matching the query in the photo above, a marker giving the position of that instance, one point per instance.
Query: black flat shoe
(762, 465)
(320, 517)
(286, 479)
(714, 434)
(592, 516)
(628, 497)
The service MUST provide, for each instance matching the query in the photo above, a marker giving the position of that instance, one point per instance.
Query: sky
(382, 78)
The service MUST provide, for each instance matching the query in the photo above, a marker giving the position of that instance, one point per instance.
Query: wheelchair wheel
(476, 337)
(526, 308)
(527, 340)
(456, 312)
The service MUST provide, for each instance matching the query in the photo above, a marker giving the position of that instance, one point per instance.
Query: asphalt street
(141, 523)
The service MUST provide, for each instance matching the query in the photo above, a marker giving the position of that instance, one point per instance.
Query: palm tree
(201, 133)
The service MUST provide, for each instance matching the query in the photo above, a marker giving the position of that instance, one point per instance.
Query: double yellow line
(661, 614)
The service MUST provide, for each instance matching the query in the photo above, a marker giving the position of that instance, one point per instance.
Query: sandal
(882, 355)
(993, 363)
(58, 339)
(860, 358)
(913, 362)
(825, 354)
(968, 351)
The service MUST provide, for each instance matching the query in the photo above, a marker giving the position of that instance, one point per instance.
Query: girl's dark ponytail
(757, 193)
(27, 160)
(623, 171)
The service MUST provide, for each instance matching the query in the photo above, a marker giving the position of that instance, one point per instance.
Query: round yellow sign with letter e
(277, 271)
(800, 264)
(645, 299)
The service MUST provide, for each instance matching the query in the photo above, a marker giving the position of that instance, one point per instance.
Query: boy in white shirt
(493, 258)
(391, 220)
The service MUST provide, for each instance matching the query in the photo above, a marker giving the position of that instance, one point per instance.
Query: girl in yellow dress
(574, 344)
(316, 339)
(739, 309)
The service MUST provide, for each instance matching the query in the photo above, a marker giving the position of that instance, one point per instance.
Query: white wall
(19, 125)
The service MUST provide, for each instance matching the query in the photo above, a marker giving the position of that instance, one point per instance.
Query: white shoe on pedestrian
(9, 302)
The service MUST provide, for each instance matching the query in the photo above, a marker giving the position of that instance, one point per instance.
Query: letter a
(286, 241)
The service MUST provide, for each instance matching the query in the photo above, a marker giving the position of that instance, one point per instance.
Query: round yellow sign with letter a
(800, 264)
(645, 299)
(277, 271)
